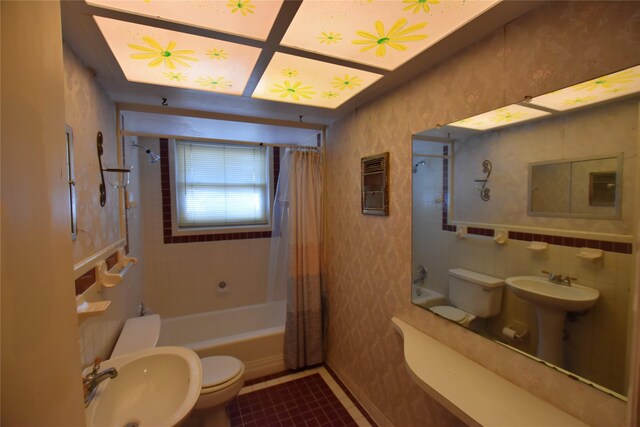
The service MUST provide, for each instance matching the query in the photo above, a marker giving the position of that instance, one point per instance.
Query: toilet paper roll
(509, 333)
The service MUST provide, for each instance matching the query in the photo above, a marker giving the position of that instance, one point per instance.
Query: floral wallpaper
(88, 109)
(369, 258)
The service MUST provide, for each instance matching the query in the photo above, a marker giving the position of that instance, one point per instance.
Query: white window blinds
(221, 185)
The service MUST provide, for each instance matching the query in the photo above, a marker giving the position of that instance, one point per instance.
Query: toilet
(222, 376)
(472, 295)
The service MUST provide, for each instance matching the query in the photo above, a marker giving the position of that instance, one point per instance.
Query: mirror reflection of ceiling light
(383, 34)
(295, 79)
(169, 58)
(248, 18)
(603, 88)
(501, 117)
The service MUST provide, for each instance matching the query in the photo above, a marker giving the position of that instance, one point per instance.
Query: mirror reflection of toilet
(471, 295)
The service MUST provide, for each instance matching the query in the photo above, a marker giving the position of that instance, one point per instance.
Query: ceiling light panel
(249, 18)
(611, 86)
(500, 118)
(294, 79)
(169, 58)
(384, 34)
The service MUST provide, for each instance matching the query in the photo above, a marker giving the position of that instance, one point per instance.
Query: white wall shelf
(476, 395)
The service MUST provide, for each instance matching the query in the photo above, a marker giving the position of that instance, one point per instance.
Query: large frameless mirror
(523, 220)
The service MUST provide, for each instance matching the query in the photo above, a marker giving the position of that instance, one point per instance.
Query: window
(221, 186)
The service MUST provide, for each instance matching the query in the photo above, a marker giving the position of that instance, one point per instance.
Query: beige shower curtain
(303, 329)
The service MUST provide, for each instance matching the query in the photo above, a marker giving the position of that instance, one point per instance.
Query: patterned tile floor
(308, 398)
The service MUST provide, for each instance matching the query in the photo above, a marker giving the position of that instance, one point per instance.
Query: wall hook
(481, 184)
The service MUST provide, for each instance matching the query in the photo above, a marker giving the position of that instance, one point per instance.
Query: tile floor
(313, 397)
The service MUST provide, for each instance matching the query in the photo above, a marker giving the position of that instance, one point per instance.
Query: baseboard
(380, 419)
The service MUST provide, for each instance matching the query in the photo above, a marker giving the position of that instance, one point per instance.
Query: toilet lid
(449, 312)
(219, 369)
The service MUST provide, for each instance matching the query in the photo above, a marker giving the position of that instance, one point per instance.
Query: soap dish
(590, 254)
(86, 309)
(538, 246)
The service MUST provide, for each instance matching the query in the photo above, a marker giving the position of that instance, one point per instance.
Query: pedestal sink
(552, 302)
(154, 387)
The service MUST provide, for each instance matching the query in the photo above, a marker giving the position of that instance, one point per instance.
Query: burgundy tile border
(445, 192)
(85, 281)
(111, 260)
(165, 185)
(618, 247)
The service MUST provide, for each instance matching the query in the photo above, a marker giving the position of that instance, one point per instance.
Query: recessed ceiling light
(384, 34)
(169, 58)
(249, 18)
(611, 86)
(299, 80)
(501, 117)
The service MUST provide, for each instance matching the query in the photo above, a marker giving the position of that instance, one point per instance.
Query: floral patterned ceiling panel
(294, 79)
(248, 18)
(611, 86)
(383, 34)
(169, 58)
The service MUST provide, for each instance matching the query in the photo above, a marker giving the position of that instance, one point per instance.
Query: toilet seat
(454, 314)
(219, 372)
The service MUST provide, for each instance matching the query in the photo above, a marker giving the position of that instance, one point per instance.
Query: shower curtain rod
(222, 141)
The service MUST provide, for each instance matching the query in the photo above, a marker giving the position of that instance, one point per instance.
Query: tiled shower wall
(369, 258)
(183, 278)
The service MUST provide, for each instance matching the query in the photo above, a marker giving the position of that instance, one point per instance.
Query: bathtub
(253, 334)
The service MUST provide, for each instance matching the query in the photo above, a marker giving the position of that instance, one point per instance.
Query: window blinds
(221, 185)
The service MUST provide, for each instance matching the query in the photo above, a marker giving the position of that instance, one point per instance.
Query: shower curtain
(294, 270)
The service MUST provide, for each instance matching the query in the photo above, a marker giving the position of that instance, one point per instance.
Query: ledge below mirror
(470, 391)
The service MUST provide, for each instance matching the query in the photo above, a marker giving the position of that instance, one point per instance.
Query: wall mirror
(480, 262)
(585, 187)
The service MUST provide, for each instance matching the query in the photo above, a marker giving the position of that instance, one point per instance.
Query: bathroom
(368, 267)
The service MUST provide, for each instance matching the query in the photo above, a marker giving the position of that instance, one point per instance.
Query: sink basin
(154, 387)
(552, 301)
(540, 291)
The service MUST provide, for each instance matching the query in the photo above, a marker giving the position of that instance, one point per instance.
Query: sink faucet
(94, 378)
(559, 279)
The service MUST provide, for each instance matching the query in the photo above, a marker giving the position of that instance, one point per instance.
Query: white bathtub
(253, 334)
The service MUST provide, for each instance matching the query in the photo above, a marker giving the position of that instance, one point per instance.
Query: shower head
(153, 157)
(414, 169)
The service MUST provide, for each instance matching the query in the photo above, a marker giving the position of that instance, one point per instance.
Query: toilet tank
(138, 333)
(475, 293)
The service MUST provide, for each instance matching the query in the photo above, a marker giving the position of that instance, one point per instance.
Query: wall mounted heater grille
(375, 184)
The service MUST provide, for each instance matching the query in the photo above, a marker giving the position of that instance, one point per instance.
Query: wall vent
(375, 184)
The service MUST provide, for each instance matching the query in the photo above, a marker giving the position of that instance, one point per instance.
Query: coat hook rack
(103, 189)
(481, 184)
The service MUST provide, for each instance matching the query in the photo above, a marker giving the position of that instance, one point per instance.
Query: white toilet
(222, 376)
(472, 295)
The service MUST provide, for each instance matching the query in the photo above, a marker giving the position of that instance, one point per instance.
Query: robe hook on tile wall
(122, 177)
(481, 184)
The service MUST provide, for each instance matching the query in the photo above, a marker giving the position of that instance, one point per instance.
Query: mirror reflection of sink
(540, 291)
(156, 387)
(552, 301)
